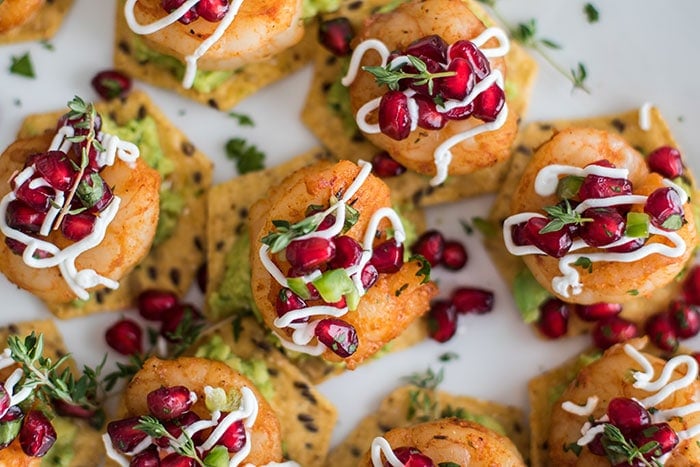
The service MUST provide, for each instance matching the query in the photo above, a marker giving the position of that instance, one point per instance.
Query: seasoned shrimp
(127, 239)
(14, 456)
(14, 13)
(195, 374)
(608, 281)
(612, 376)
(453, 21)
(260, 29)
(389, 306)
(456, 441)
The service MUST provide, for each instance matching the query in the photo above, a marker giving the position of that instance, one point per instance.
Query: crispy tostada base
(530, 138)
(228, 213)
(394, 411)
(344, 140)
(43, 26)
(172, 264)
(87, 441)
(245, 81)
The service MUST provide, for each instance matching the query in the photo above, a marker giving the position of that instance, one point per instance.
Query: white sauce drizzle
(645, 116)
(442, 155)
(569, 283)
(190, 60)
(381, 446)
(64, 259)
(662, 388)
(303, 333)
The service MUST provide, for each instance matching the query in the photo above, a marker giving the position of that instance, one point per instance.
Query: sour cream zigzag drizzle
(442, 155)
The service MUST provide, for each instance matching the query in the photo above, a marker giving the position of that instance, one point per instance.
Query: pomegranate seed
(691, 286)
(71, 410)
(335, 35)
(394, 117)
(172, 5)
(310, 253)
(56, 169)
(412, 457)
(666, 161)
(555, 244)
(202, 277)
(77, 226)
(662, 433)
(613, 330)
(342, 303)
(596, 446)
(472, 300)
(519, 234)
(387, 257)
(627, 414)
(433, 47)
(176, 460)
(428, 115)
(109, 84)
(175, 427)
(685, 319)
(454, 256)
(460, 113)
(554, 318)
(124, 336)
(661, 332)
(632, 245)
(489, 103)
(347, 252)
(384, 166)
(212, 10)
(21, 217)
(607, 226)
(234, 438)
(467, 49)
(13, 414)
(288, 301)
(369, 276)
(167, 403)
(37, 434)
(153, 304)
(337, 335)
(91, 186)
(4, 400)
(146, 458)
(442, 320)
(15, 246)
(597, 311)
(183, 316)
(665, 209)
(459, 85)
(123, 435)
(38, 198)
(430, 245)
(595, 186)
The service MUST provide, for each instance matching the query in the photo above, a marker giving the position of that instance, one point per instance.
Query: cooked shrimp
(127, 239)
(389, 306)
(260, 29)
(452, 440)
(14, 456)
(453, 21)
(607, 378)
(195, 374)
(608, 281)
(14, 13)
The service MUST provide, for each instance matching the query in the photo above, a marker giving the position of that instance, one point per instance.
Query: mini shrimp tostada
(424, 31)
(30, 20)
(135, 224)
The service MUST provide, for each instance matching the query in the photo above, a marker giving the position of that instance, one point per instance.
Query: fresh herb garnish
(285, 231)
(585, 263)
(248, 157)
(448, 356)
(242, 119)
(424, 270)
(22, 66)
(391, 6)
(573, 447)
(183, 445)
(561, 216)
(619, 449)
(400, 290)
(427, 380)
(390, 76)
(46, 44)
(448, 464)
(422, 406)
(591, 13)
(633, 292)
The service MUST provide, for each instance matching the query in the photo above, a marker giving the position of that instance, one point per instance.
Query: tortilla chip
(393, 412)
(171, 265)
(42, 27)
(245, 81)
(530, 138)
(236, 196)
(329, 127)
(307, 418)
(87, 444)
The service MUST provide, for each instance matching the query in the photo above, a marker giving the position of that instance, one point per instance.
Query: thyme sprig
(285, 231)
(526, 33)
(619, 449)
(391, 75)
(561, 216)
(422, 405)
(183, 446)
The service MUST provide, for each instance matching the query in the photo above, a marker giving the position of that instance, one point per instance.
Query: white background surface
(639, 51)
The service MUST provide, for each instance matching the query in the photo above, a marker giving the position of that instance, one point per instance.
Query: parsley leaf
(591, 12)
(242, 119)
(22, 66)
(248, 157)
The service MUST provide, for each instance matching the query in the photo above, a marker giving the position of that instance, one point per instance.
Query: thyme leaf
(391, 75)
(562, 215)
(285, 232)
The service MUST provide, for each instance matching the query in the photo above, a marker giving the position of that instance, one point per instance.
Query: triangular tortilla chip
(43, 26)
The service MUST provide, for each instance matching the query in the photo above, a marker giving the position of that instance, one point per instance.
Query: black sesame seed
(13, 328)
(142, 112)
(124, 47)
(302, 417)
(354, 6)
(175, 276)
(618, 124)
(187, 148)
(197, 177)
(99, 297)
(219, 245)
(152, 272)
(524, 150)
(213, 104)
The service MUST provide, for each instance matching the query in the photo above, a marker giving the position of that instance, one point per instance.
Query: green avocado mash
(234, 294)
(144, 133)
(254, 369)
(528, 295)
(311, 8)
(61, 453)
(204, 81)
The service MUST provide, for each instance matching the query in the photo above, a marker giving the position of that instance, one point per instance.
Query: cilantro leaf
(591, 12)
(242, 119)
(22, 66)
(248, 157)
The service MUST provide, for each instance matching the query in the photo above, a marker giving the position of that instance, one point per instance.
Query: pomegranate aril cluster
(457, 69)
(437, 250)
(209, 10)
(32, 428)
